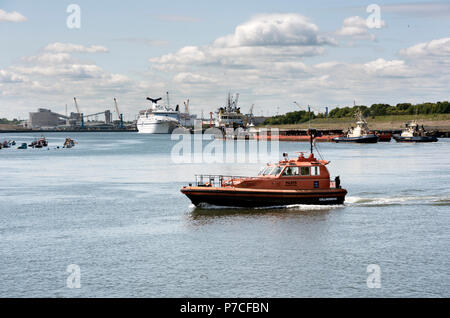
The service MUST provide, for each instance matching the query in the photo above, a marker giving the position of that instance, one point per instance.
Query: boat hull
(415, 139)
(237, 197)
(368, 139)
(156, 127)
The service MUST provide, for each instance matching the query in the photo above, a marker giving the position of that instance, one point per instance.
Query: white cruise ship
(158, 119)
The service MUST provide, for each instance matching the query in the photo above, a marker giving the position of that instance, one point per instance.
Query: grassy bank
(431, 121)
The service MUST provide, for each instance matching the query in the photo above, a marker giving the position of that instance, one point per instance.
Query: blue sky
(272, 52)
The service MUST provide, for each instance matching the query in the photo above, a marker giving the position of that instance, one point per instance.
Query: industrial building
(46, 119)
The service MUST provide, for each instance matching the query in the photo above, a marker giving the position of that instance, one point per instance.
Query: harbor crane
(309, 113)
(186, 106)
(79, 113)
(118, 113)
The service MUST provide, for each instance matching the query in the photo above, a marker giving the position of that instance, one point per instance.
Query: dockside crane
(251, 124)
(186, 106)
(119, 114)
(79, 113)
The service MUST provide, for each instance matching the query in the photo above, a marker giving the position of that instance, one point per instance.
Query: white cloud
(69, 70)
(395, 68)
(49, 58)
(10, 77)
(275, 29)
(11, 17)
(357, 27)
(191, 78)
(263, 39)
(434, 48)
(74, 48)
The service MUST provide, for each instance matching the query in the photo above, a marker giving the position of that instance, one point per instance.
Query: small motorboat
(69, 143)
(8, 144)
(304, 180)
(384, 136)
(39, 143)
(23, 146)
(359, 134)
(414, 133)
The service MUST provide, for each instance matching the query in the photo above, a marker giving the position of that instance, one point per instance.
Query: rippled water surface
(112, 205)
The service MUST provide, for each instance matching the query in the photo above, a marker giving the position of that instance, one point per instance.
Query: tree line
(7, 121)
(299, 117)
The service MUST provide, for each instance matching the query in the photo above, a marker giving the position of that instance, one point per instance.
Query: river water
(112, 207)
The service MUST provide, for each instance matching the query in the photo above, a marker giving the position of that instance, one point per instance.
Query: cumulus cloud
(275, 30)
(357, 27)
(394, 68)
(263, 39)
(74, 48)
(49, 58)
(434, 48)
(191, 78)
(11, 17)
(10, 77)
(57, 75)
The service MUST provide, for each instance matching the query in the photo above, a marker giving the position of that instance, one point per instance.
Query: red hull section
(328, 138)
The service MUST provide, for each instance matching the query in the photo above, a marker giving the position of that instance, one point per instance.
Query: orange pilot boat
(304, 180)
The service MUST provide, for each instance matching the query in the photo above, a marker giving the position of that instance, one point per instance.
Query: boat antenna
(168, 101)
(312, 134)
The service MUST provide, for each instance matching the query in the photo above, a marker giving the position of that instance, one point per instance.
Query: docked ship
(414, 133)
(186, 119)
(158, 119)
(230, 116)
(304, 180)
(359, 134)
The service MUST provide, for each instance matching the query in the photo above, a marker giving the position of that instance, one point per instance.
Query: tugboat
(414, 133)
(230, 116)
(304, 180)
(359, 134)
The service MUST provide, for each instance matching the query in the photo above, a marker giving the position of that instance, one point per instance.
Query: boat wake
(397, 200)
(350, 201)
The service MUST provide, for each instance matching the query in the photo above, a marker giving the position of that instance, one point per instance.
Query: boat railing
(218, 180)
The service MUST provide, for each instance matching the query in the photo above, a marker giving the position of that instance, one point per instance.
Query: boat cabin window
(290, 172)
(267, 171)
(275, 171)
(305, 171)
(315, 171)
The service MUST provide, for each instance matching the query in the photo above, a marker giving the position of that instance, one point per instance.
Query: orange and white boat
(304, 180)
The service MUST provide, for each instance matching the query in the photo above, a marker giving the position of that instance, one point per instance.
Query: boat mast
(312, 134)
